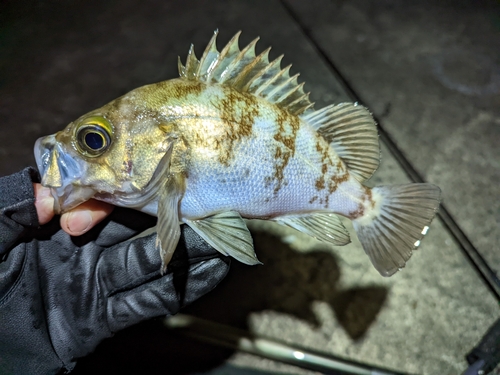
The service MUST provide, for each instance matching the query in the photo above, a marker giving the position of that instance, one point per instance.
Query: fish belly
(270, 176)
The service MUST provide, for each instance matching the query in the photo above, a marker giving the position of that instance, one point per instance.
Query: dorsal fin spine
(204, 70)
(180, 67)
(228, 53)
(305, 108)
(285, 98)
(246, 72)
(270, 84)
(297, 107)
(245, 76)
(294, 86)
(192, 64)
(259, 76)
(232, 69)
(283, 84)
(282, 98)
(295, 102)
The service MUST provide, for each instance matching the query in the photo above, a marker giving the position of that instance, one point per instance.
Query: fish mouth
(61, 172)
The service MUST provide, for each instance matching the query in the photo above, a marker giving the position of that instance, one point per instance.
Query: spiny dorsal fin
(246, 72)
(351, 131)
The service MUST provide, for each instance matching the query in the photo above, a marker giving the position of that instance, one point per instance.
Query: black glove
(60, 295)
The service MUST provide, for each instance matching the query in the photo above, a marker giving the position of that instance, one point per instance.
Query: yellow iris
(93, 136)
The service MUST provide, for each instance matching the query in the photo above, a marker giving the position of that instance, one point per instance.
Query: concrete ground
(430, 71)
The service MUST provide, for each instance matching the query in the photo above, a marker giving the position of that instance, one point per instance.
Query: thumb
(44, 204)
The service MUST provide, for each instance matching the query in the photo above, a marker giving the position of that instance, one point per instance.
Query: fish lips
(60, 171)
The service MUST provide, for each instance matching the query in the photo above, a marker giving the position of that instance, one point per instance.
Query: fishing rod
(244, 341)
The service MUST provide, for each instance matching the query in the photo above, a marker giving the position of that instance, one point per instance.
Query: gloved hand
(61, 295)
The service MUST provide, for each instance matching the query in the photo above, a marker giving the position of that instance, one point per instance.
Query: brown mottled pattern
(190, 88)
(155, 96)
(320, 183)
(238, 111)
(336, 179)
(128, 159)
(329, 179)
(326, 161)
(313, 199)
(159, 93)
(288, 126)
(360, 211)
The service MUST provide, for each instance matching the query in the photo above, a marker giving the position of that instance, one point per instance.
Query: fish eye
(93, 136)
(94, 140)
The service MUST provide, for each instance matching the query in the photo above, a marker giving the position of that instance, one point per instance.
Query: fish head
(119, 153)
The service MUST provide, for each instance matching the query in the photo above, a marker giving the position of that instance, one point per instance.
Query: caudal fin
(394, 228)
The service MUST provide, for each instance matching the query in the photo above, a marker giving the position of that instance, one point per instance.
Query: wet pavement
(430, 72)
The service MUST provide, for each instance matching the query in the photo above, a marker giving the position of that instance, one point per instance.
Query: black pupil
(94, 140)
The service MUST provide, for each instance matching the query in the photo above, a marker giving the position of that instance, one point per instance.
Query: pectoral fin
(322, 226)
(228, 234)
(168, 227)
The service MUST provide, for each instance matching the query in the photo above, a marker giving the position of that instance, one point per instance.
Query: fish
(236, 137)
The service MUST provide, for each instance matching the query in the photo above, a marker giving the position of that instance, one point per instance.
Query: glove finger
(121, 225)
(166, 295)
(137, 261)
(128, 264)
(191, 248)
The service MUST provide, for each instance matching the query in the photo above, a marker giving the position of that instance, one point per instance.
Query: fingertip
(84, 217)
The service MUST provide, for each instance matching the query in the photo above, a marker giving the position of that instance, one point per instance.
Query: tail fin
(394, 228)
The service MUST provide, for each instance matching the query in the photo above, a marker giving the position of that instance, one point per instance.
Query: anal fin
(228, 234)
(325, 227)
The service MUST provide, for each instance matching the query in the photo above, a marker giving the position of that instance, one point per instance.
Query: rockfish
(235, 136)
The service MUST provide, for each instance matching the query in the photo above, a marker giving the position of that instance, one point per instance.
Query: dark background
(430, 71)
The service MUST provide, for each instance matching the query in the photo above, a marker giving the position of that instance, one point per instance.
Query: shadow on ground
(288, 283)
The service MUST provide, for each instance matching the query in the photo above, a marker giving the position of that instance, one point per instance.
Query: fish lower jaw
(69, 196)
(148, 206)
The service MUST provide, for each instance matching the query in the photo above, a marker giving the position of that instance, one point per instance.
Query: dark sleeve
(25, 345)
(17, 209)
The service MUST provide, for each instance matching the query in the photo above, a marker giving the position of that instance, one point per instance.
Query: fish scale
(235, 136)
